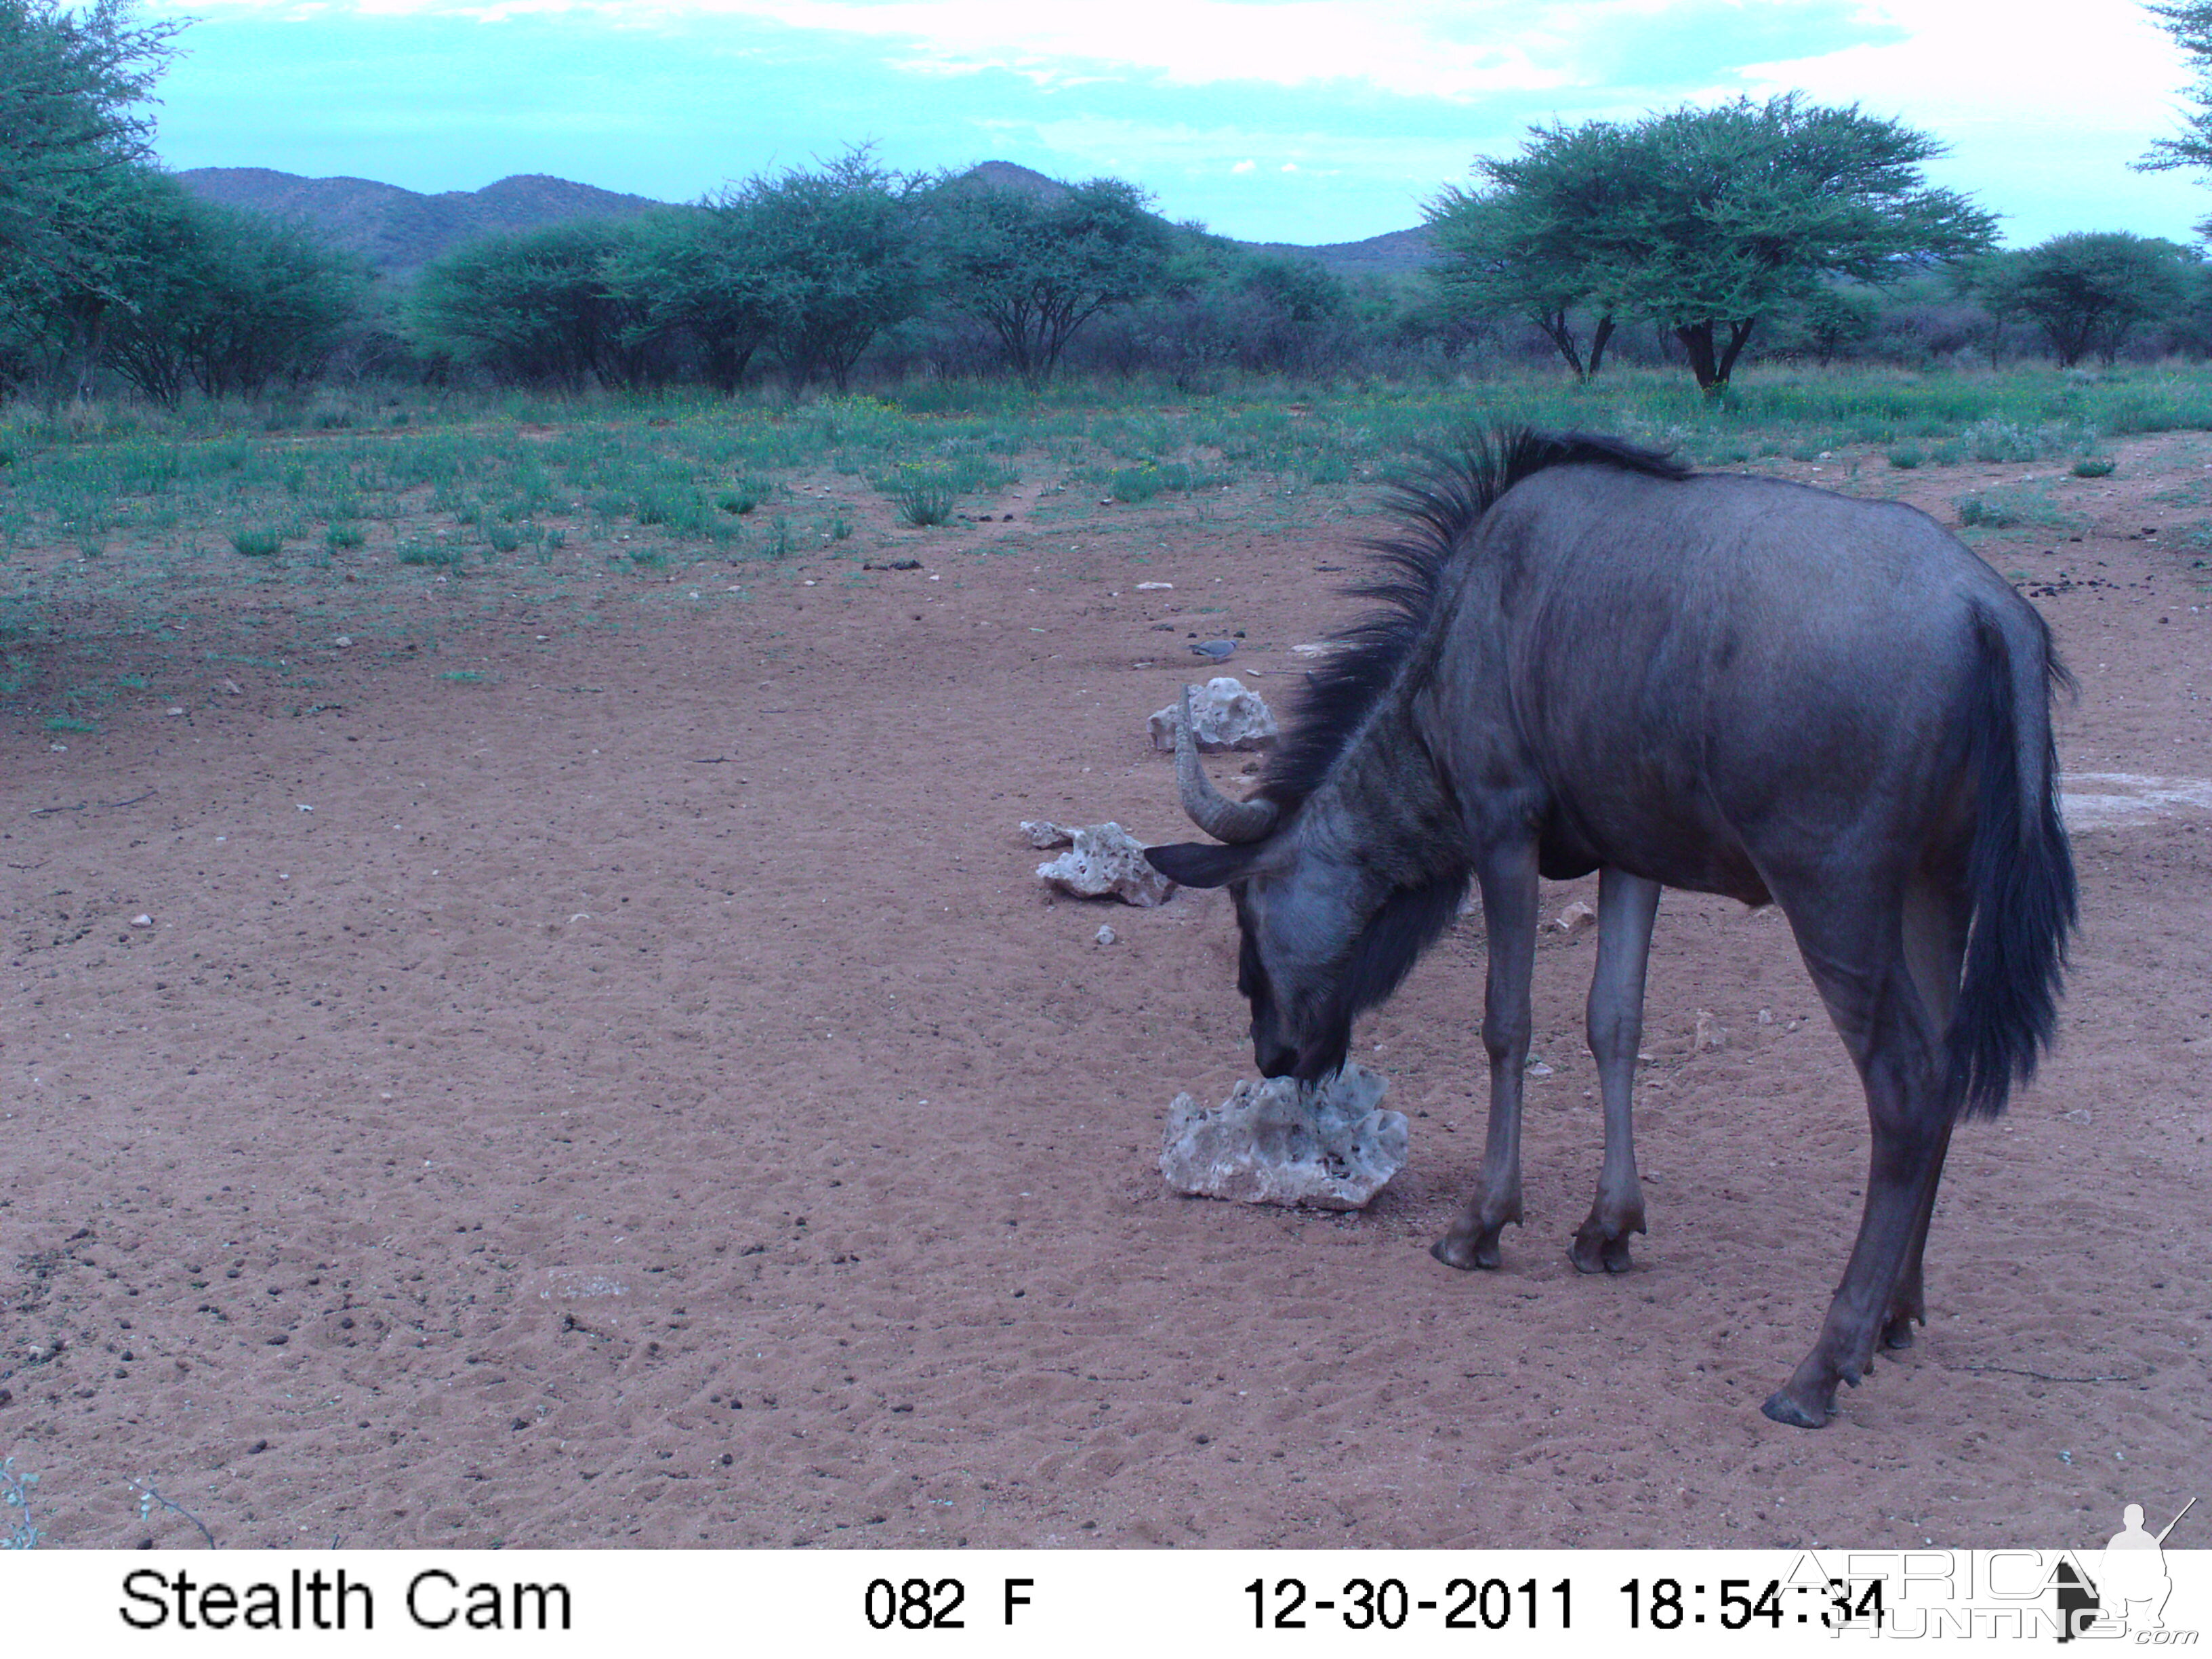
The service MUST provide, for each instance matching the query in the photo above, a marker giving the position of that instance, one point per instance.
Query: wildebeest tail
(2020, 870)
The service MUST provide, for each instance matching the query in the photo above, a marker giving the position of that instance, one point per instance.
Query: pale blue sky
(1291, 120)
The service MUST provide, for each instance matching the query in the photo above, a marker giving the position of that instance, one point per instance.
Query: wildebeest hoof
(1467, 1254)
(1906, 1310)
(1592, 1252)
(1783, 1407)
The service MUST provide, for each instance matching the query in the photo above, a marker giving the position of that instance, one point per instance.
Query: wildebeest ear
(1202, 863)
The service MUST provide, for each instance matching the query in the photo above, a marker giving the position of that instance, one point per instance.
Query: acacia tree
(1522, 245)
(835, 259)
(2087, 291)
(698, 272)
(73, 84)
(536, 306)
(2190, 23)
(227, 300)
(1705, 220)
(1035, 270)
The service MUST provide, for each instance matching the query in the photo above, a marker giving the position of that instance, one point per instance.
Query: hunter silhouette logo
(2130, 1590)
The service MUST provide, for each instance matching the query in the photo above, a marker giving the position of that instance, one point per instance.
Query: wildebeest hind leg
(1937, 913)
(1625, 906)
(1908, 1301)
(1880, 1018)
(1508, 876)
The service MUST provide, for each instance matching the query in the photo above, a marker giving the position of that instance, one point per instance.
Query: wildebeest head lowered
(1593, 658)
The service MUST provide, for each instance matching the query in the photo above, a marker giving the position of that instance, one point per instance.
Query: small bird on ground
(1214, 650)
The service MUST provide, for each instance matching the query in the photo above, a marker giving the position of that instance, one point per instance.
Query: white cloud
(2101, 61)
(1956, 58)
(1244, 166)
(1457, 49)
(2042, 112)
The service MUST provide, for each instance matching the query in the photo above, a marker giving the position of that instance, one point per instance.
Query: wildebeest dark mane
(1437, 506)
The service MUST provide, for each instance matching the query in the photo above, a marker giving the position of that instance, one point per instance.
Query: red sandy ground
(650, 1100)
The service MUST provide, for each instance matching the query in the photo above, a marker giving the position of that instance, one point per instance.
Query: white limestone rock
(1044, 833)
(1224, 714)
(1106, 861)
(1327, 1147)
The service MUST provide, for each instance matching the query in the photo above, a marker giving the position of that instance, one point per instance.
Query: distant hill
(1387, 254)
(400, 231)
(1011, 175)
(1393, 251)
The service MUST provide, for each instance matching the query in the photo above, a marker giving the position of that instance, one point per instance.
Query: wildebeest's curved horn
(1232, 821)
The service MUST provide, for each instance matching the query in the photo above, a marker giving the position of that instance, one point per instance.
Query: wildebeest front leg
(1508, 877)
(1625, 906)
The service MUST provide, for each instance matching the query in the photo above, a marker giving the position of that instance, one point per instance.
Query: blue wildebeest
(1594, 659)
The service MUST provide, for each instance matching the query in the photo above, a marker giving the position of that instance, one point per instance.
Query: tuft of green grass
(923, 503)
(1906, 458)
(69, 723)
(340, 536)
(2094, 466)
(2007, 509)
(1135, 484)
(430, 554)
(465, 676)
(257, 543)
(749, 493)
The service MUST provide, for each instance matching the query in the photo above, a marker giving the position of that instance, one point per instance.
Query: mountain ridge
(398, 231)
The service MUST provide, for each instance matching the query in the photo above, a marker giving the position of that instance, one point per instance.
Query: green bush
(1906, 458)
(257, 543)
(430, 554)
(2094, 467)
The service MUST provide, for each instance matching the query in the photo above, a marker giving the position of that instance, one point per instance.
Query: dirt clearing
(631, 1089)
